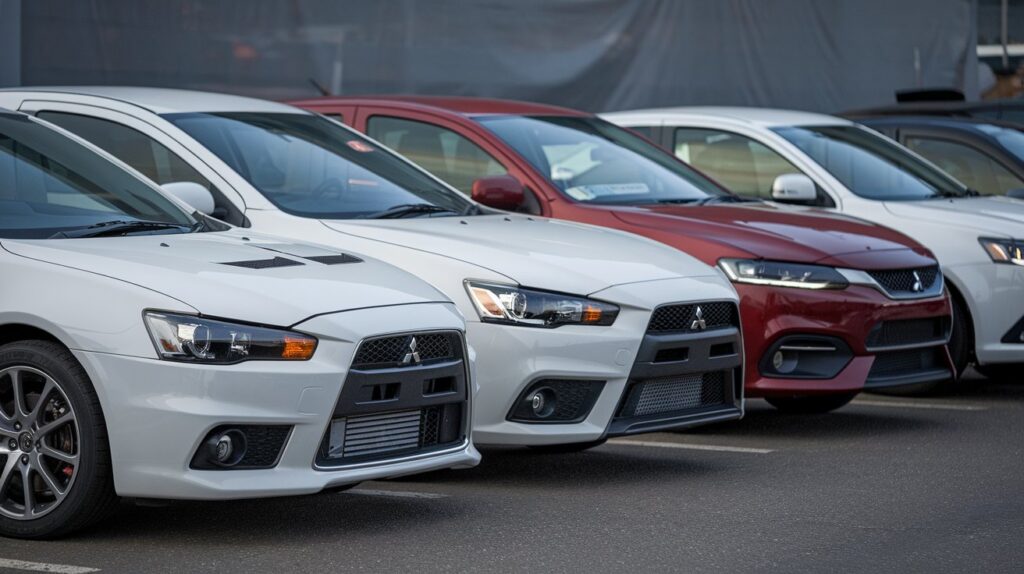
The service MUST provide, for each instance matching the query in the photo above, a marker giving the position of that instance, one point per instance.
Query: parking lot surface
(887, 483)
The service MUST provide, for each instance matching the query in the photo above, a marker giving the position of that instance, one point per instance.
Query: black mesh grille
(264, 263)
(902, 281)
(430, 425)
(395, 351)
(262, 445)
(569, 400)
(339, 259)
(898, 363)
(715, 315)
(674, 394)
(908, 332)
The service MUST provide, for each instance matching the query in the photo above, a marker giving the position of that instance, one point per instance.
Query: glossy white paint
(950, 228)
(515, 249)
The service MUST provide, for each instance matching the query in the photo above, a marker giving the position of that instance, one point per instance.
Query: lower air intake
(378, 434)
(673, 394)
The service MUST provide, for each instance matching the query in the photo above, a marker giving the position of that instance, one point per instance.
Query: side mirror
(1016, 193)
(793, 187)
(193, 194)
(499, 191)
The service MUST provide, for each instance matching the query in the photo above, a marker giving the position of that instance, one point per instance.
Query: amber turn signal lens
(591, 314)
(298, 349)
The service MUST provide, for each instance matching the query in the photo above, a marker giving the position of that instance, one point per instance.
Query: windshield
(1012, 140)
(593, 161)
(870, 165)
(52, 185)
(313, 167)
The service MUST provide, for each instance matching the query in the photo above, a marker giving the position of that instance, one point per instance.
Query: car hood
(995, 215)
(192, 269)
(785, 233)
(535, 251)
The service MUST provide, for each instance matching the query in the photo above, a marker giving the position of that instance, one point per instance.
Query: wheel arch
(956, 294)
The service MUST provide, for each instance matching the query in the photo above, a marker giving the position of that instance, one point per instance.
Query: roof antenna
(320, 88)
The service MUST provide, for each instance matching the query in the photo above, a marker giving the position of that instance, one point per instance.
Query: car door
(448, 150)
(965, 160)
(139, 144)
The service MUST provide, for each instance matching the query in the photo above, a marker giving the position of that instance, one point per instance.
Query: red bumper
(773, 315)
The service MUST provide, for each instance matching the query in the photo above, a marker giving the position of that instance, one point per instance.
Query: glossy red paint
(710, 233)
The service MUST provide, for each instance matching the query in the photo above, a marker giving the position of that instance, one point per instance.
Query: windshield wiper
(678, 200)
(118, 227)
(723, 199)
(408, 209)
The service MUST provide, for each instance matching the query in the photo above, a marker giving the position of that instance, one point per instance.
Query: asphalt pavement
(886, 484)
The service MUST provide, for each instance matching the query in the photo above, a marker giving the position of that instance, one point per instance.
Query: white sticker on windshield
(585, 192)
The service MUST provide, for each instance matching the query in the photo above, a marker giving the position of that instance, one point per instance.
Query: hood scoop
(264, 263)
(339, 259)
(309, 253)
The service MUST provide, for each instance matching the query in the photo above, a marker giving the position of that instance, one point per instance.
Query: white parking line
(44, 567)
(395, 493)
(680, 445)
(918, 405)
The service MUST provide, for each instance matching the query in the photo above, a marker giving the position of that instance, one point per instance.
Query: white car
(835, 164)
(148, 353)
(581, 332)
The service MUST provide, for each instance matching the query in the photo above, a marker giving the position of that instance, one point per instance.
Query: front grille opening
(722, 350)
(905, 363)
(909, 332)
(378, 436)
(674, 394)
(381, 392)
(672, 355)
(406, 350)
(439, 386)
(713, 315)
(904, 281)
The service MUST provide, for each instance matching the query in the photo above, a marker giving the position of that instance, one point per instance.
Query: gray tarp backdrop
(824, 55)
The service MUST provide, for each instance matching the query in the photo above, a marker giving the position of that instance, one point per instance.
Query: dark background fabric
(823, 55)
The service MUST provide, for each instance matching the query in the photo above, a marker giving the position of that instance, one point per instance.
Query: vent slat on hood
(264, 263)
(339, 259)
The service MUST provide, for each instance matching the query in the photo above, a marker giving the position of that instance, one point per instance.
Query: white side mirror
(193, 194)
(793, 187)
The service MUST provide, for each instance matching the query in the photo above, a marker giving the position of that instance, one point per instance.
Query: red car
(830, 305)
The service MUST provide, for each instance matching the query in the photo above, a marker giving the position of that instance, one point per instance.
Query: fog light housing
(556, 401)
(235, 447)
(806, 357)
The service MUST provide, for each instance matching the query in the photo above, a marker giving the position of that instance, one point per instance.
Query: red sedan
(830, 305)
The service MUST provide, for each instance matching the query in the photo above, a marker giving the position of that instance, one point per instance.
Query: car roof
(462, 105)
(764, 117)
(167, 100)
(950, 123)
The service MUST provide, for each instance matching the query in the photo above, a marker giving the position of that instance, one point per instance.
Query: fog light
(785, 362)
(543, 402)
(226, 448)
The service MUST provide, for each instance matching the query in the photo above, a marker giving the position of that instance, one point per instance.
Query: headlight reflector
(528, 307)
(1009, 251)
(191, 339)
(783, 274)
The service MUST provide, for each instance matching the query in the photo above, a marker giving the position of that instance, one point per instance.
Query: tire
(961, 340)
(59, 400)
(810, 405)
(566, 448)
(1003, 372)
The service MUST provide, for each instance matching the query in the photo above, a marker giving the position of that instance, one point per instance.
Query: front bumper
(511, 359)
(159, 412)
(995, 295)
(846, 318)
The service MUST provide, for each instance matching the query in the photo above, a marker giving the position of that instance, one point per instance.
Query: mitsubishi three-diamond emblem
(412, 355)
(698, 320)
(918, 286)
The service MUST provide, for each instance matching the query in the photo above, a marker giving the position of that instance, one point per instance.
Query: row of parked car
(212, 297)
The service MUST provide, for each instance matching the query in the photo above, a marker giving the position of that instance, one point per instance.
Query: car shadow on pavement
(598, 467)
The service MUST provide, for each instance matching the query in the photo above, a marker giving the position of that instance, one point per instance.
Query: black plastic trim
(842, 357)
(1013, 336)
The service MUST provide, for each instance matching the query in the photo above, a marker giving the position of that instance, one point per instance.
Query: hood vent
(339, 259)
(264, 263)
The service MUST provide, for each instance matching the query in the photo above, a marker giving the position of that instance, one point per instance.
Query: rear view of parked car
(146, 352)
(580, 333)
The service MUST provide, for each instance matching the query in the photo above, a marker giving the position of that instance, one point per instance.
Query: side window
(334, 116)
(442, 152)
(739, 163)
(975, 169)
(149, 157)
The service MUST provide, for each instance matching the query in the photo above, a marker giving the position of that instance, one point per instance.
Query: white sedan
(581, 333)
(148, 353)
(831, 163)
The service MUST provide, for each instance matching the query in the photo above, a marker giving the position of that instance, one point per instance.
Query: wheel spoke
(7, 474)
(44, 472)
(29, 495)
(20, 410)
(55, 454)
(54, 425)
(38, 409)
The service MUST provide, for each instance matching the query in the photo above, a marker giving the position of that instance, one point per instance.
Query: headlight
(196, 340)
(516, 306)
(782, 274)
(1009, 251)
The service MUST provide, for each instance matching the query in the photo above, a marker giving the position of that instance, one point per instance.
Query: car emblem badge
(412, 355)
(918, 286)
(698, 320)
